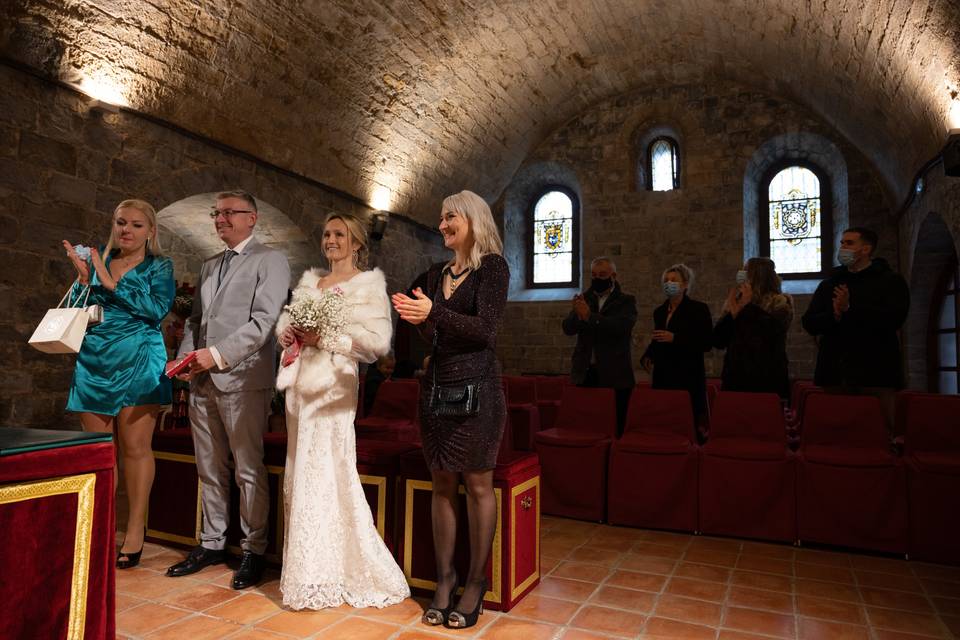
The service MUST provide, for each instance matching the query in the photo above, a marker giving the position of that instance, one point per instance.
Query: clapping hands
(414, 310)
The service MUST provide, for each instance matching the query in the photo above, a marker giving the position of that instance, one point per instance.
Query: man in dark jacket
(602, 318)
(856, 314)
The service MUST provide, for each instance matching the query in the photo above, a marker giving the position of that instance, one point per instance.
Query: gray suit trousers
(224, 424)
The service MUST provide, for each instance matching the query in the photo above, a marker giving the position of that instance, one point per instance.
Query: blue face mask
(671, 289)
(846, 257)
(741, 276)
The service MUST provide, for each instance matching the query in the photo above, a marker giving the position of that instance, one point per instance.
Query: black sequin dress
(467, 326)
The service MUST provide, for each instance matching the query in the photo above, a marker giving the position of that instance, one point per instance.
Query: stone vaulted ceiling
(401, 102)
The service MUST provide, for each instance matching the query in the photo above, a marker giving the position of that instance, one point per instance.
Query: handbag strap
(436, 334)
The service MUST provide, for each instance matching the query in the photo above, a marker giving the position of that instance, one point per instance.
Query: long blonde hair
(486, 237)
(144, 207)
(359, 233)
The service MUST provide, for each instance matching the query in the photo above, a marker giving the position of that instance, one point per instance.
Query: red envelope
(182, 365)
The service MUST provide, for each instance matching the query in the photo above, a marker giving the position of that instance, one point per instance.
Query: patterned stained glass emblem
(795, 221)
(553, 238)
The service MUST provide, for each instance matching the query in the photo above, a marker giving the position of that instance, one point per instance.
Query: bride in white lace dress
(332, 552)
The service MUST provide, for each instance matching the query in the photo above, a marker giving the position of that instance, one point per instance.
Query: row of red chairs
(845, 486)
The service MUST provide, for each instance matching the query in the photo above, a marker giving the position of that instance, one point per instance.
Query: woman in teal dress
(119, 383)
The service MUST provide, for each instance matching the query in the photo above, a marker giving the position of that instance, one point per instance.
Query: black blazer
(756, 344)
(607, 334)
(679, 364)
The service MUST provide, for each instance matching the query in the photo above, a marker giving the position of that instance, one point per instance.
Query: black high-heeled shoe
(434, 616)
(132, 558)
(460, 619)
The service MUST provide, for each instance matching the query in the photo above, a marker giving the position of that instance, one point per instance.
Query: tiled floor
(599, 582)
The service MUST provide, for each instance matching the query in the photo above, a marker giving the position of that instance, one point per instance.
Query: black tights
(482, 521)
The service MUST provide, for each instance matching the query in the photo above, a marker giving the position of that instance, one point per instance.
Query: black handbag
(452, 400)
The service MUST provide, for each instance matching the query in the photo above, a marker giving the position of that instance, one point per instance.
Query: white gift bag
(62, 329)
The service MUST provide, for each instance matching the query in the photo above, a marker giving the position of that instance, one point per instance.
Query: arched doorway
(929, 330)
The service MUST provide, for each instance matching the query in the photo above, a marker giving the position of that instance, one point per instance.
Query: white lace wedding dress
(332, 552)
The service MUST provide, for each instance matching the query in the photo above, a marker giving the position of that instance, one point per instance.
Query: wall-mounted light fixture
(378, 224)
(951, 154)
(105, 107)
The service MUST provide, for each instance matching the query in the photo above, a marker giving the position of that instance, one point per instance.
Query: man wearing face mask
(602, 318)
(856, 314)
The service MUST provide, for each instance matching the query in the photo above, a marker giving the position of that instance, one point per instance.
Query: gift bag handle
(86, 296)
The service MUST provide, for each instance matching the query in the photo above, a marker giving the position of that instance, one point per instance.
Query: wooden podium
(56, 534)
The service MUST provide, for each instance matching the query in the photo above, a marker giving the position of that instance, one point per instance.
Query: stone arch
(798, 146)
(517, 200)
(933, 250)
(641, 139)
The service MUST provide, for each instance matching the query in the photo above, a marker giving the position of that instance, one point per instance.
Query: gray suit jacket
(239, 317)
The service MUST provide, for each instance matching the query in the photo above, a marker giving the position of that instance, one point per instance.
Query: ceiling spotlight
(378, 224)
(951, 154)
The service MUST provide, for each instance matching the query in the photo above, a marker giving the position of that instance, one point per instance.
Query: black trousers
(621, 396)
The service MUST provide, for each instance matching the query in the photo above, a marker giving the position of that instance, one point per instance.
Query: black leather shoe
(199, 558)
(250, 571)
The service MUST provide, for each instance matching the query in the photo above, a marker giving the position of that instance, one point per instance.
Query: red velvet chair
(851, 489)
(573, 454)
(932, 456)
(395, 412)
(549, 394)
(747, 474)
(799, 393)
(653, 466)
(522, 411)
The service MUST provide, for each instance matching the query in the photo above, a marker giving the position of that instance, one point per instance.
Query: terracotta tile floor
(598, 582)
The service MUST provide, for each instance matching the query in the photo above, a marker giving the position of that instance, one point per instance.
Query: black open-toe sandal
(461, 619)
(434, 616)
(130, 559)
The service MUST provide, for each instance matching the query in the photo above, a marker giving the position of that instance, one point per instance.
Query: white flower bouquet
(323, 314)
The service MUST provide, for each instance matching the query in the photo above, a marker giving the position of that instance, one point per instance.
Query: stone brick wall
(720, 127)
(64, 168)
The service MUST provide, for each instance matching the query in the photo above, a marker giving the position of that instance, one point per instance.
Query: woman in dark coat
(753, 330)
(682, 334)
(460, 314)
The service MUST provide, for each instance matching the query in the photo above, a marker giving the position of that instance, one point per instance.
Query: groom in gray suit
(240, 294)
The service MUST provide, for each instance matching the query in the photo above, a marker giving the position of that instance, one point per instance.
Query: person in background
(602, 318)
(381, 370)
(682, 333)
(855, 314)
(753, 329)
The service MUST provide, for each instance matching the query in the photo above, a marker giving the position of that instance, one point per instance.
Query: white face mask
(846, 257)
(671, 289)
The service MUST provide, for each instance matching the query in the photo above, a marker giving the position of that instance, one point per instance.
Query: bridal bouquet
(324, 314)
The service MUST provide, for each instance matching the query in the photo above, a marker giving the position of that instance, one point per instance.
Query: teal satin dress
(122, 359)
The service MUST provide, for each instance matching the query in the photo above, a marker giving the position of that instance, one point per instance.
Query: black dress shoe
(250, 571)
(199, 558)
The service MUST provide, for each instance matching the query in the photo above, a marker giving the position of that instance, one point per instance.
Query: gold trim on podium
(425, 485)
(517, 589)
(84, 486)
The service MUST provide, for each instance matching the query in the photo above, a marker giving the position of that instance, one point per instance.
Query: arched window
(553, 255)
(793, 220)
(944, 345)
(663, 164)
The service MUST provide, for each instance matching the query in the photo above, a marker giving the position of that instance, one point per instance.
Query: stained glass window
(945, 348)
(553, 240)
(795, 221)
(663, 164)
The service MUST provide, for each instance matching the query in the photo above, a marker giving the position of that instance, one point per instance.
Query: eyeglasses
(228, 213)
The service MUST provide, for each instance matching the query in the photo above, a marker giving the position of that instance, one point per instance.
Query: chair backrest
(550, 387)
(851, 421)
(660, 411)
(397, 399)
(932, 422)
(796, 389)
(521, 389)
(587, 409)
(737, 414)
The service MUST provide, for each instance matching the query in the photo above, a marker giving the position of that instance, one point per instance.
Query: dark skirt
(463, 443)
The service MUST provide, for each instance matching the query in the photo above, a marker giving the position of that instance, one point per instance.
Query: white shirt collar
(242, 244)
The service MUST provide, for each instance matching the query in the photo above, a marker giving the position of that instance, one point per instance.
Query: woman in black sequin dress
(462, 304)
